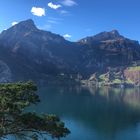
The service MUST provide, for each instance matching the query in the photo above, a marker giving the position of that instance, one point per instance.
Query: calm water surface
(94, 114)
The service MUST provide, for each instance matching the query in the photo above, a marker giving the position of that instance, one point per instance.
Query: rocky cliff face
(31, 53)
(133, 75)
(103, 36)
(109, 49)
(5, 73)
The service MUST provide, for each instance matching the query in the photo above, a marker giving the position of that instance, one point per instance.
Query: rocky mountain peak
(103, 36)
(20, 29)
(115, 32)
(17, 32)
(27, 24)
(24, 26)
(111, 35)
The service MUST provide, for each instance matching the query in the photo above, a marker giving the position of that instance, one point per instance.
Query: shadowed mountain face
(109, 49)
(31, 53)
(35, 53)
(103, 36)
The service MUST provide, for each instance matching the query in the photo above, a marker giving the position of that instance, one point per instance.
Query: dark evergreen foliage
(14, 98)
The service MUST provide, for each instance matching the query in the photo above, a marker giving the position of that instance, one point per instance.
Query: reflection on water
(94, 114)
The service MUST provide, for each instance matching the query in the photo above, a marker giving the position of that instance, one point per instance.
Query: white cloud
(14, 23)
(69, 2)
(67, 36)
(53, 20)
(54, 6)
(88, 30)
(45, 27)
(37, 11)
(64, 12)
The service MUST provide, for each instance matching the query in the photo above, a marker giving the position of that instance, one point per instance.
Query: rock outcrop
(5, 73)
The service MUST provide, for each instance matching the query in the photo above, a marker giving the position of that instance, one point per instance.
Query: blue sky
(75, 18)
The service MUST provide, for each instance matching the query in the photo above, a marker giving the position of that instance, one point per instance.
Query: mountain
(31, 53)
(36, 53)
(103, 36)
(109, 49)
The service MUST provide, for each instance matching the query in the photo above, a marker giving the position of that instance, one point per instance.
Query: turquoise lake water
(94, 114)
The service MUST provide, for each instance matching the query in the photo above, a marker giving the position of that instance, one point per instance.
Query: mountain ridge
(35, 54)
(30, 25)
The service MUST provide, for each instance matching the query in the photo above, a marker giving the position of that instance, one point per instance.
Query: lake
(94, 114)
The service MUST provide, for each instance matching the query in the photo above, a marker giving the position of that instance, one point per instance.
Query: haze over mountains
(30, 53)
